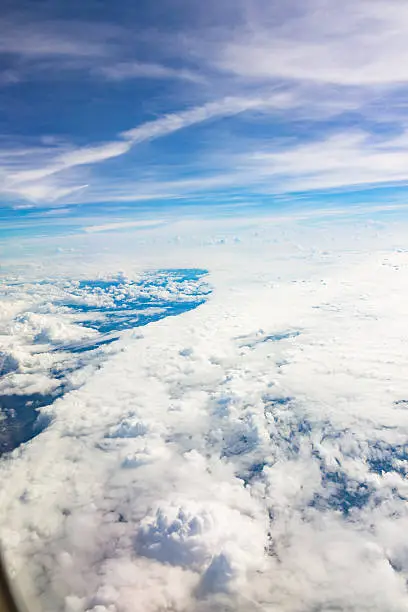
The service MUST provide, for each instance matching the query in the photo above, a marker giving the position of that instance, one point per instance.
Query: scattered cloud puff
(248, 454)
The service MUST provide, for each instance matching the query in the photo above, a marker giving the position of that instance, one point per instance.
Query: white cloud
(353, 43)
(38, 39)
(340, 160)
(26, 183)
(44, 192)
(105, 227)
(70, 159)
(40, 47)
(311, 61)
(225, 107)
(337, 161)
(268, 468)
(133, 70)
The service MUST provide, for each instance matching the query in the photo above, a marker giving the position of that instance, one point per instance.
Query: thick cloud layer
(250, 454)
(54, 333)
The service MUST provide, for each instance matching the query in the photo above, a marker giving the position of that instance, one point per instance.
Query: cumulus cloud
(55, 332)
(249, 454)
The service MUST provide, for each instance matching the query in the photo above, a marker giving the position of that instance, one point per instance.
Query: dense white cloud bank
(53, 333)
(250, 454)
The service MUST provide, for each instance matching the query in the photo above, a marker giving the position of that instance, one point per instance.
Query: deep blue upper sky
(131, 106)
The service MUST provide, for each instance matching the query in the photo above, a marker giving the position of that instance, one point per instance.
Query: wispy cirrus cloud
(311, 61)
(35, 39)
(121, 71)
(337, 161)
(106, 227)
(101, 50)
(26, 182)
(352, 43)
(347, 161)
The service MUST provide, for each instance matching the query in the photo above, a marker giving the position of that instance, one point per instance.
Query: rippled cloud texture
(249, 454)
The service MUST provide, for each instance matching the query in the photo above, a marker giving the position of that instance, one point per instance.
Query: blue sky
(123, 109)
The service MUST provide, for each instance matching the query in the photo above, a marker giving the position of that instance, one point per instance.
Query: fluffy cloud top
(248, 454)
